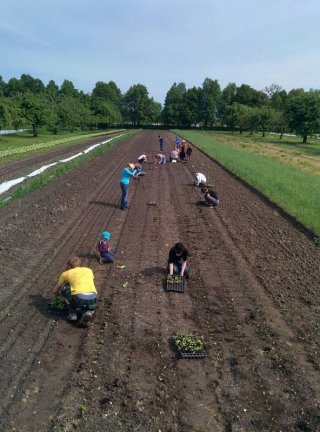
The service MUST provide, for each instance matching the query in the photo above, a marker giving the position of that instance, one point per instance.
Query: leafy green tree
(30, 84)
(247, 95)
(193, 112)
(226, 100)
(174, 105)
(13, 87)
(154, 113)
(136, 104)
(210, 99)
(108, 92)
(303, 113)
(34, 110)
(2, 87)
(67, 89)
(278, 122)
(4, 114)
(264, 117)
(52, 90)
(105, 113)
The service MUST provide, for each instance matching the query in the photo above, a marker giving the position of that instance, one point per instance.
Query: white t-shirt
(142, 158)
(200, 178)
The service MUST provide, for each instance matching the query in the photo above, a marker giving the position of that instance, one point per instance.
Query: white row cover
(5, 186)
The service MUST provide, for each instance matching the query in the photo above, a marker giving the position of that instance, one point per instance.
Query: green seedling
(125, 285)
(57, 302)
(122, 266)
(189, 344)
(83, 410)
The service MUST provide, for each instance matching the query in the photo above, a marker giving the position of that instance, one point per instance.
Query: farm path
(253, 294)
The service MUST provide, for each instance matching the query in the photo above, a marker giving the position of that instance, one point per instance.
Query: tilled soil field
(253, 294)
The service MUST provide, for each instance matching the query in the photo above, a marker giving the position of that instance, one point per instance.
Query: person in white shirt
(174, 156)
(200, 179)
(161, 159)
(142, 158)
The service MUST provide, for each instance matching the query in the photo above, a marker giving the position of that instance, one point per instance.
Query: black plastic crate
(199, 355)
(175, 286)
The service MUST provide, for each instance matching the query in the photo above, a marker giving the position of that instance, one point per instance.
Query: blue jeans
(124, 196)
(177, 269)
(107, 257)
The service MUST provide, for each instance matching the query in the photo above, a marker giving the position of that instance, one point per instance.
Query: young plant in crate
(189, 346)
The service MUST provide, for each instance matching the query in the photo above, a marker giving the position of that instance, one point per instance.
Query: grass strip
(14, 150)
(295, 191)
(60, 169)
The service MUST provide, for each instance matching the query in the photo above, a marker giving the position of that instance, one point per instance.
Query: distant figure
(161, 143)
(177, 142)
(174, 156)
(188, 153)
(182, 151)
(200, 179)
(142, 158)
(161, 159)
(106, 256)
(210, 196)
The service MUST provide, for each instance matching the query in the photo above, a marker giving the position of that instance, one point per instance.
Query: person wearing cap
(199, 179)
(76, 286)
(106, 256)
(210, 196)
(161, 159)
(126, 174)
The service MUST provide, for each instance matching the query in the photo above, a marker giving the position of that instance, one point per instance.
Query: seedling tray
(175, 286)
(188, 350)
(198, 355)
(52, 309)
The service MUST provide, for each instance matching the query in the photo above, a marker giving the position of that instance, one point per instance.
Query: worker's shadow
(105, 204)
(153, 271)
(41, 304)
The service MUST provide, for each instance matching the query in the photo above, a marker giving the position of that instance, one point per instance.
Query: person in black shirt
(210, 196)
(177, 261)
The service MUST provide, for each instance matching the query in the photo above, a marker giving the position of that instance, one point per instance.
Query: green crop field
(287, 172)
(15, 146)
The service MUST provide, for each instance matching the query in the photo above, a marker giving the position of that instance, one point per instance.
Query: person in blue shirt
(177, 142)
(126, 174)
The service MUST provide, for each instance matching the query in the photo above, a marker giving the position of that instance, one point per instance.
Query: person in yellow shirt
(76, 285)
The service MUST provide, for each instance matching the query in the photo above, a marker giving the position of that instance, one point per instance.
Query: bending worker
(76, 286)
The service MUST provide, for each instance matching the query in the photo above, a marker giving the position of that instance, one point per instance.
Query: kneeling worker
(200, 179)
(76, 286)
(210, 196)
(177, 261)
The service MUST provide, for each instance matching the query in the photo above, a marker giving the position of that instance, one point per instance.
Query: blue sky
(157, 43)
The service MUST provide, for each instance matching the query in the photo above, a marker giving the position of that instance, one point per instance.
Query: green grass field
(16, 146)
(60, 169)
(286, 172)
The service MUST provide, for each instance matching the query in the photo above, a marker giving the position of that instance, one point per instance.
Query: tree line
(243, 108)
(27, 101)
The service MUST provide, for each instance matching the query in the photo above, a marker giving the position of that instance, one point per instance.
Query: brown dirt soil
(253, 294)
